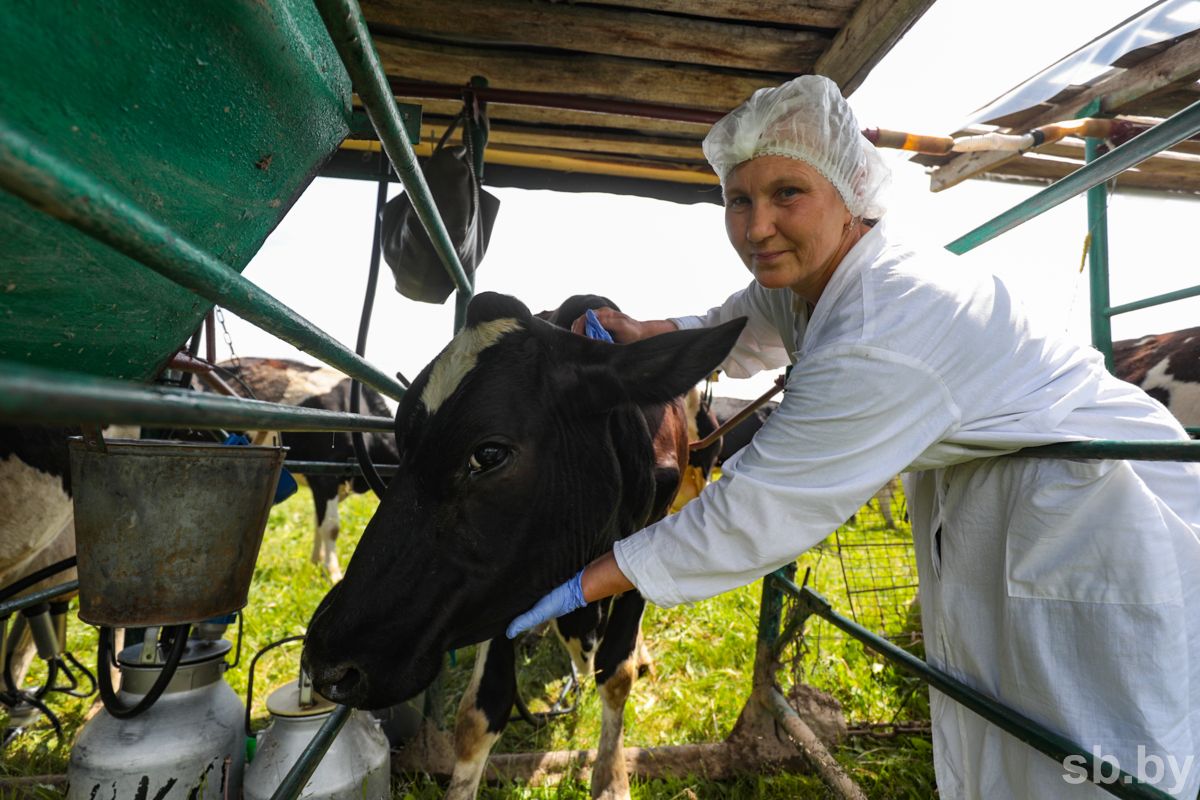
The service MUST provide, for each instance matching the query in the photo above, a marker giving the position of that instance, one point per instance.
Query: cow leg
(616, 668)
(482, 715)
(579, 633)
(324, 554)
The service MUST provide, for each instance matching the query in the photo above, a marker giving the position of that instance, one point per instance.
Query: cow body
(1167, 367)
(290, 382)
(526, 452)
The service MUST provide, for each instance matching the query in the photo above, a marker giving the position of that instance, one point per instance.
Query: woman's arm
(624, 328)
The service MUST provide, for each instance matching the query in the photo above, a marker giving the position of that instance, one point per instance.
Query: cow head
(523, 456)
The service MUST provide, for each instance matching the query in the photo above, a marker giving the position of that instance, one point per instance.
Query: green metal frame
(1169, 132)
(1022, 727)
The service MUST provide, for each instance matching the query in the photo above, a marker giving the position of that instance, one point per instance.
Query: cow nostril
(341, 683)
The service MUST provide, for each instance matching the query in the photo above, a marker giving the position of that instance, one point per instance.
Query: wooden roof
(624, 90)
(1144, 85)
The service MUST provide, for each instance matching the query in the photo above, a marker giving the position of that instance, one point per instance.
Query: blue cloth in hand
(593, 328)
(563, 600)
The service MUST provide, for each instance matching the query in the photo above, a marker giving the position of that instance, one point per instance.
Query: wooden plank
(813, 14)
(640, 35)
(563, 139)
(568, 118)
(875, 27)
(1048, 170)
(586, 75)
(1115, 92)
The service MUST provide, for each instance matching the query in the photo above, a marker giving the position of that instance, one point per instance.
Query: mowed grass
(702, 653)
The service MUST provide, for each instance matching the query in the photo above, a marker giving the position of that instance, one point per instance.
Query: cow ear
(488, 306)
(663, 367)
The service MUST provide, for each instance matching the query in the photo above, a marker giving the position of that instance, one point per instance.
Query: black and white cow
(37, 521)
(526, 451)
(1167, 367)
(278, 380)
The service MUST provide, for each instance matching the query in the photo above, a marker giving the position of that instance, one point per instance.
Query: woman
(1067, 589)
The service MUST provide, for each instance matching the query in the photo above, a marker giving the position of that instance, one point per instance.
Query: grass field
(703, 661)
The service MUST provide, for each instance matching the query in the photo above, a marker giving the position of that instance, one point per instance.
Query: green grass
(703, 660)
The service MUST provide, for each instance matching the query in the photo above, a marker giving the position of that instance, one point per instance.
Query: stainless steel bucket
(168, 532)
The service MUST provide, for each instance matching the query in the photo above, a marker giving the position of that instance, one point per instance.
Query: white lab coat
(1070, 590)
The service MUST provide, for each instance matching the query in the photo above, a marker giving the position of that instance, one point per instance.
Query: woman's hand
(624, 328)
(600, 579)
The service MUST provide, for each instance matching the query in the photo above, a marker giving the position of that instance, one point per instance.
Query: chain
(237, 362)
(890, 730)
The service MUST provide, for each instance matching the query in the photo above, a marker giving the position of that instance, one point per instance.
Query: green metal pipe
(1169, 132)
(1146, 450)
(1027, 730)
(40, 596)
(344, 20)
(38, 395)
(1097, 208)
(347, 469)
(1157, 300)
(293, 783)
(56, 187)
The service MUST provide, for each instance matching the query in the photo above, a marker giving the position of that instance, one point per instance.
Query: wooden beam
(600, 31)
(573, 141)
(583, 121)
(1047, 170)
(594, 164)
(587, 75)
(819, 14)
(1115, 92)
(875, 27)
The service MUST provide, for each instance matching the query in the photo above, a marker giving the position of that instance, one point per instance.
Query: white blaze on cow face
(459, 358)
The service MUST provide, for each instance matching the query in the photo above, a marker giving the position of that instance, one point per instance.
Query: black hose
(86, 672)
(36, 577)
(104, 654)
(370, 474)
(250, 679)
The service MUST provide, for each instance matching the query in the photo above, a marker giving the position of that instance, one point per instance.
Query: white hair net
(807, 119)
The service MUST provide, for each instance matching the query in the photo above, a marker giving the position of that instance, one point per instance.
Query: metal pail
(168, 532)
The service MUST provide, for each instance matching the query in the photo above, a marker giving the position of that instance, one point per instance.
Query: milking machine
(357, 765)
(45, 626)
(167, 535)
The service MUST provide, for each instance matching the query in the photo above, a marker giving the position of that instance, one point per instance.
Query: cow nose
(341, 683)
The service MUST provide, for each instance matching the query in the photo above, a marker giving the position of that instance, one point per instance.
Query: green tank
(212, 117)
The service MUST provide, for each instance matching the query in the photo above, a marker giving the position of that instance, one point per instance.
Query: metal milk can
(356, 767)
(189, 744)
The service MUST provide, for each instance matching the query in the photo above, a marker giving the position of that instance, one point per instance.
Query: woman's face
(787, 222)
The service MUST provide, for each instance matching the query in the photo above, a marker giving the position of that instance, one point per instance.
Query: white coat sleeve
(851, 419)
(760, 346)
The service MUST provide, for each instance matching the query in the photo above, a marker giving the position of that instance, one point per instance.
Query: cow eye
(487, 456)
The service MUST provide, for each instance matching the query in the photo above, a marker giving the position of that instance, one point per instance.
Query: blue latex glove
(563, 600)
(593, 328)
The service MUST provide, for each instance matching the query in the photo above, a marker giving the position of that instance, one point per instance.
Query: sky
(658, 259)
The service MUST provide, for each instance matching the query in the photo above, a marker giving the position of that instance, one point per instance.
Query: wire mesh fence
(867, 571)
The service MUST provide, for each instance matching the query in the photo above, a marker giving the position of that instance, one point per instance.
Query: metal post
(52, 397)
(40, 596)
(475, 136)
(1027, 730)
(1169, 132)
(56, 187)
(294, 782)
(1097, 211)
(1145, 450)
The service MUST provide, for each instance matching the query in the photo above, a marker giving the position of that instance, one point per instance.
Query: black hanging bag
(467, 211)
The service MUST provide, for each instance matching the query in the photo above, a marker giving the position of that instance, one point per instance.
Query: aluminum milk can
(189, 744)
(356, 767)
